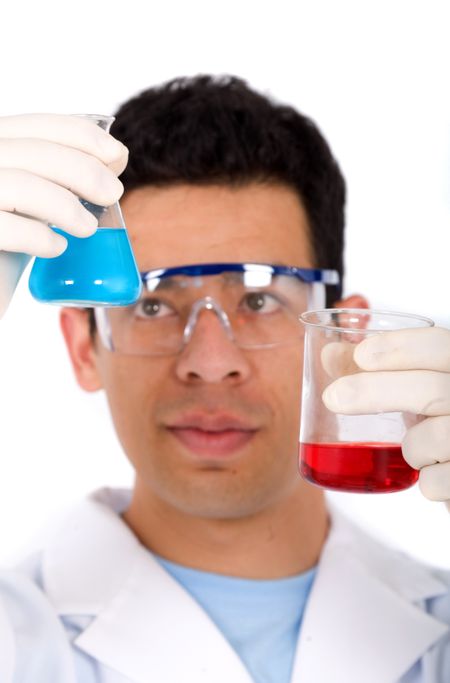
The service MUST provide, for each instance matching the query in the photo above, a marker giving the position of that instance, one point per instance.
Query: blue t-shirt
(260, 618)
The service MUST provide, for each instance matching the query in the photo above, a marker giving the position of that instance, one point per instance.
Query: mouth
(214, 437)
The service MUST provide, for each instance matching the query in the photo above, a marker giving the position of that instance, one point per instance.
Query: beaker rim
(426, 322)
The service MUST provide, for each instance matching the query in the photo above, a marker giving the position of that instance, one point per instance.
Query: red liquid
(356, 467)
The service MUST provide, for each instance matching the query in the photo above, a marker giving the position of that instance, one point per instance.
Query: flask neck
(100, 120)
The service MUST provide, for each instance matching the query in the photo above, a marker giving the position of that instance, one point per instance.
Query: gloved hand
(47, 161)
(406, 370)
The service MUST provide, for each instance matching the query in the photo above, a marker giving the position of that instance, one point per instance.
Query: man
(222, 564)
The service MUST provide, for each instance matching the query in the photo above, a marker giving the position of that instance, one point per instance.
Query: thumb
(12, 265)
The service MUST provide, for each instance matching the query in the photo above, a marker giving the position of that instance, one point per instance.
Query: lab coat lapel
(145, 625)
(153, 631)
(360, 622)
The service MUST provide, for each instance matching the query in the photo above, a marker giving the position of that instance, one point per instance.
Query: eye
(261, 302)
(152, 308)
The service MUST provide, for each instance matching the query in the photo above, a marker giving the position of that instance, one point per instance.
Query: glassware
(356, 453)
(93, 271)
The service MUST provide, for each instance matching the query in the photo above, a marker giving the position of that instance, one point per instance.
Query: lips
(214, 436)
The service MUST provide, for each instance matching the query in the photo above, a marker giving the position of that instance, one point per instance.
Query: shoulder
(33, 644)
(439, 605)
(22, 601)
(413, 579)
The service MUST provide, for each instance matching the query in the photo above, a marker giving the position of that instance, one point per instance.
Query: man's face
(211, 381)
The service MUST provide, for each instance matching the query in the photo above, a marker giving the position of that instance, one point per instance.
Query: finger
(426, 348)
(70, 131)
(434, 481)
(422, 392)
(30, 236)
(337, 359)
(427, 442)
(25, 193)
(77, 171)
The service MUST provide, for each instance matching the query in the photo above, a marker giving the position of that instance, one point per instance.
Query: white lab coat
(126, 620)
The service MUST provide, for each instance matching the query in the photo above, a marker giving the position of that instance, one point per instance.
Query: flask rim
(104, 121)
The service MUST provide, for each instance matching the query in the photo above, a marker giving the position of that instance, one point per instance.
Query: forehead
(186, 224)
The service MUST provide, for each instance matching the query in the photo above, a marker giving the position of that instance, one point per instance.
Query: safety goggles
(258, 306)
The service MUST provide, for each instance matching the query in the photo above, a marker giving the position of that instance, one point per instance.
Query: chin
(220, 499)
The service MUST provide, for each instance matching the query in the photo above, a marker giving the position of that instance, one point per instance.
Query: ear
(353, 301)
(74, 323)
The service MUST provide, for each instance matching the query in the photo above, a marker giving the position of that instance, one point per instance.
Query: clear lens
(262, 309)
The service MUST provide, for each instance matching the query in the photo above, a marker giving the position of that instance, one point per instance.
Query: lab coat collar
(145, 626)
(363, 621)
(360, 622)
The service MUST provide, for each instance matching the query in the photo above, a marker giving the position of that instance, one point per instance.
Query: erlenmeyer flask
(93, 271)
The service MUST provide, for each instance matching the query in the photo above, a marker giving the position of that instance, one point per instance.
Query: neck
(284, 539)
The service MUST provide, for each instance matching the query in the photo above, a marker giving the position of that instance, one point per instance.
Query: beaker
(99, 270)
(355, 453)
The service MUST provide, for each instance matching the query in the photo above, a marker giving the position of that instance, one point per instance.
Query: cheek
(283, 386)
(130, 380)
(284, 382)
(128, 384)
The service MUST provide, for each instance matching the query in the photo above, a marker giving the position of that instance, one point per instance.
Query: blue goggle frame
(326, 276)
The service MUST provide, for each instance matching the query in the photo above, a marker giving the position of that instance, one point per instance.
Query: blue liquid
(93, 271)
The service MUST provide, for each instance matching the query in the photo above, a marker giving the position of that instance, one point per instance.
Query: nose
(210, 354)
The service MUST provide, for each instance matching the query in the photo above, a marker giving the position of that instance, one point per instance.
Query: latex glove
(406, 370)
(47, 161)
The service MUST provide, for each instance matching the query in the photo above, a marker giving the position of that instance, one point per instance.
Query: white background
(374, 75)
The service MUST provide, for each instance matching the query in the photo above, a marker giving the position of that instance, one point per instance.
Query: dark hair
(209, 130)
